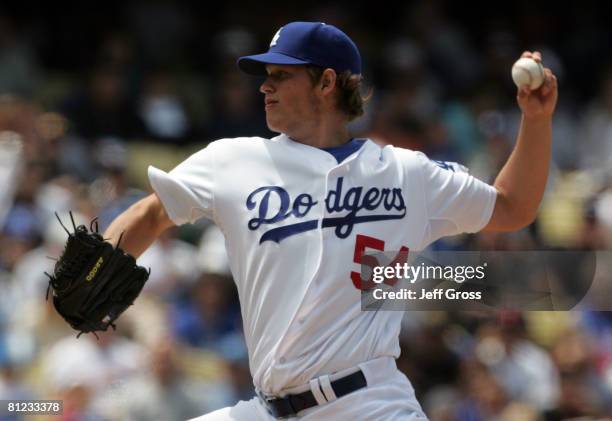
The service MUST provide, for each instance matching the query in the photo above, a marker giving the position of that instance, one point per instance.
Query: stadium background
(96, 92)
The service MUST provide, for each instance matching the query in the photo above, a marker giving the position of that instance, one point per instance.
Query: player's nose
(266, 87)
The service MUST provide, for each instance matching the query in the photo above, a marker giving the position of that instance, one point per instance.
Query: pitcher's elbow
(522, 218)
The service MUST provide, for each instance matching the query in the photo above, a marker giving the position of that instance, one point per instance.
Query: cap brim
(256, 65)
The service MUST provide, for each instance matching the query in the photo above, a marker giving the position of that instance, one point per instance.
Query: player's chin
(273, 124)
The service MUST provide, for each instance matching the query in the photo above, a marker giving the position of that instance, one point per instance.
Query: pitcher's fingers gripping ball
(528, 72)
(94, 282)
(537, 85)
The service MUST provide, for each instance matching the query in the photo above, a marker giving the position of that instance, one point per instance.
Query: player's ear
(328, 81)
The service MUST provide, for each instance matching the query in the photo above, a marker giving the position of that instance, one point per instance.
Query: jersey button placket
(331, 182)
(295, 326)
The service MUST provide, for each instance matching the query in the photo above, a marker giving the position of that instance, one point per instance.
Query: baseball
(527, 71)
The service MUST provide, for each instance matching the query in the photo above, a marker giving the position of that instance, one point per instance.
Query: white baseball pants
(388, 396)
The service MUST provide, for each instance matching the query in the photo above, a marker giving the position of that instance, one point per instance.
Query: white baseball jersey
(296, 223)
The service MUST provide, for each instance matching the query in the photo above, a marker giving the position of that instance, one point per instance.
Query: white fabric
(301, 311)
(389, 396)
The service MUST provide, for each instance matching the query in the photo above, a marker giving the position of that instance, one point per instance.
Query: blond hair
(349, 85)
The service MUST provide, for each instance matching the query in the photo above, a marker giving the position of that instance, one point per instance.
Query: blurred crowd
(88, 99)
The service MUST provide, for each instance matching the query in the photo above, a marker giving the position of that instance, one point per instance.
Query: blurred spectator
(171, 261)
(599, 325)
(207, 313)
(409, 99)
(583, 392)
(212, 256)
(109, 359)
(596, 142)
(484, 396)
(76, 404)
(427, 360)
(238, 108)
(111, 193)
(233, 42)
(592, 236)
(603, 213)
(161, 392)
(446, 45)
(163, 111)
(117, 51)
(524, 370)
(10, 165)
(12, 386)
(22, 228)
(148, 20)
(103, 108)
(19, 72)
(234, 352)
(441, 403)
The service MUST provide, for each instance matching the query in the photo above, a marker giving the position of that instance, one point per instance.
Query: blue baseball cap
(306, 43)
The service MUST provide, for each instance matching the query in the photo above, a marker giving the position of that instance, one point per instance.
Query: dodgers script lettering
(273, 204)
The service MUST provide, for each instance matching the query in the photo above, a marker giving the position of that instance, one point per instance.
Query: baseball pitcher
(299, 210)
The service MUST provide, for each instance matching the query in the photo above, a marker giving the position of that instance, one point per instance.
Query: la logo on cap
(306, 43)
(276, 37)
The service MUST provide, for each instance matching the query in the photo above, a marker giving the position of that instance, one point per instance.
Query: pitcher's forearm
(523, 179)
(140, 224)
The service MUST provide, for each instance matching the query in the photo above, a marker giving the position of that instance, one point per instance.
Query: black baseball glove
(93, 282)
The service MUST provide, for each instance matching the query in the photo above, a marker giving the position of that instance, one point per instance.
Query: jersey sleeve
(187, 192)
(456, 202)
